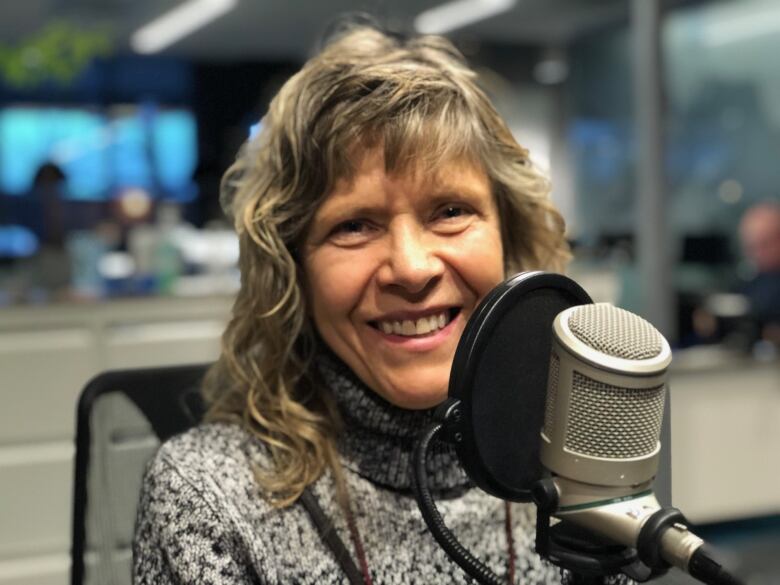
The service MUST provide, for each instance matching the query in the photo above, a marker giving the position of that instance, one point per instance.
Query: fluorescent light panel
(459, 13)
(735, 30)
(178, 23)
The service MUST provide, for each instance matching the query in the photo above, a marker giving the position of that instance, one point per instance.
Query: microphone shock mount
(586, 557)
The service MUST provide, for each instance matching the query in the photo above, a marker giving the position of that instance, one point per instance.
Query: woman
(382, 200)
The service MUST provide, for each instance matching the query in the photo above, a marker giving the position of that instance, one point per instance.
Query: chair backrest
(122, 418)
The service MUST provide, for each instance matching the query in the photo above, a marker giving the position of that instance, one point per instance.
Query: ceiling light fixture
(459, 13)
(178, 23)
(741, 28)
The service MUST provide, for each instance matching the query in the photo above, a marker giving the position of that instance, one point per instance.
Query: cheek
(334, 286)
(480, 260)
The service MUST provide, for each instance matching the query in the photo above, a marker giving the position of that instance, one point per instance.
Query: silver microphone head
(605, 397)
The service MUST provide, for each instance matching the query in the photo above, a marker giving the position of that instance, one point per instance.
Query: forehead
(372, 177)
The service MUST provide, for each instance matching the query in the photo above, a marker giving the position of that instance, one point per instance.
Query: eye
(352, 226)
(453, 217)
(452, 211)
(352, 232)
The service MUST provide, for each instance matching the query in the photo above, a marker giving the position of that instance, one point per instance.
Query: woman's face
(394, 266)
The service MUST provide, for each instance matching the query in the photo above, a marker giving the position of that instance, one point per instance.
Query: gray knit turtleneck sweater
(202, 519)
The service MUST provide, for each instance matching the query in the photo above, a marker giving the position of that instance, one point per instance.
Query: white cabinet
(41, 373)
(35, 491)
(47, 355)
(725, 437)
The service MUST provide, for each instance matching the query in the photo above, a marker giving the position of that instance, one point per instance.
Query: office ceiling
(289, 29)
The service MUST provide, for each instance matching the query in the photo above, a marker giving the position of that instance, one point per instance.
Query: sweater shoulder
(211, 445)
(217, 460)
(189, 526)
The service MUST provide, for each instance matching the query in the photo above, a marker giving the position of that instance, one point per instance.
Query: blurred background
(658, 122)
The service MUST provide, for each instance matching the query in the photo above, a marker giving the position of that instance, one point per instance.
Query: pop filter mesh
(509, 389)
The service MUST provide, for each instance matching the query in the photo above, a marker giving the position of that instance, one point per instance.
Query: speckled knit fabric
(202, 520)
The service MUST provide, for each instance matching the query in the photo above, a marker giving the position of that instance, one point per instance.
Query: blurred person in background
(383, 198)
(44, 275)
(759, 233)
(747, 317)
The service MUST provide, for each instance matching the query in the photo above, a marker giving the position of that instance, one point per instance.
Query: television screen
(100, 153)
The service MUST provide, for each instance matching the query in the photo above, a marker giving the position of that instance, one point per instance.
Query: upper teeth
(419, 327)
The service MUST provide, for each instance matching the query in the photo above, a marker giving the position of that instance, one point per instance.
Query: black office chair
(122, 418)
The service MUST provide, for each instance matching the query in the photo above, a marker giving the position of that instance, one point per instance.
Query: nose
(412, 261)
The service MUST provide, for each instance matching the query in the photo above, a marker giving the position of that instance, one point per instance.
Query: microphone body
(605, 400)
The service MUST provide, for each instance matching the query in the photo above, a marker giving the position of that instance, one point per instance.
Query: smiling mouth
(417, 327)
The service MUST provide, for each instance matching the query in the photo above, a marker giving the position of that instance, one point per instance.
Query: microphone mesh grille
(552, 394)
(615, 332)
(612, 422)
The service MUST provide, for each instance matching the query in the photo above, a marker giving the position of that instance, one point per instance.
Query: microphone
(600, 437)
(537, 354)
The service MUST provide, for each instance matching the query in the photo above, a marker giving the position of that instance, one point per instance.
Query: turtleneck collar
(378, 438)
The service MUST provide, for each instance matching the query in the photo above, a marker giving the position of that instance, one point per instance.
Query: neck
(378, 438)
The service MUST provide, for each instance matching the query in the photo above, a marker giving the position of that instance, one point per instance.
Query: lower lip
(421, 343)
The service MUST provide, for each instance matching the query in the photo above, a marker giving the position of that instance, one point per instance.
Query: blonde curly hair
(418, 101)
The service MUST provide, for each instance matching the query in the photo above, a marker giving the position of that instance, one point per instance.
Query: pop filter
(498, 382)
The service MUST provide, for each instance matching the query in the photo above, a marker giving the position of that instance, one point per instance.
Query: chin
(417, 400)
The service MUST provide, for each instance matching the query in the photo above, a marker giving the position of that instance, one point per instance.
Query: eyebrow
(437, 194)
(335, 211)
(445, 194)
